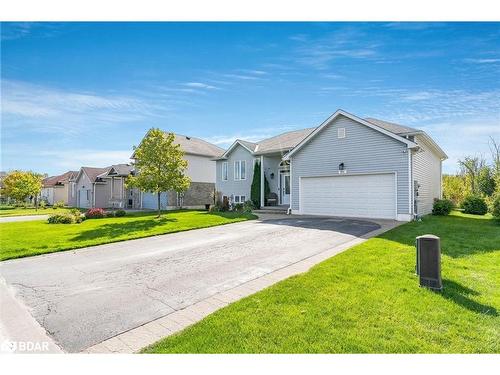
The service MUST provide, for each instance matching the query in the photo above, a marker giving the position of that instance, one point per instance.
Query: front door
(285, 188)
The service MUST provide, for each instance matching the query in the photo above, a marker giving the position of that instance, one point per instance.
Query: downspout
(93, 194)
(289, 211)
(262, 181)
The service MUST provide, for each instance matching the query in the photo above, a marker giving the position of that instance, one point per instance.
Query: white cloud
(46, 109)
(482, 61)
(200, 85)
(255, 135)
(77, 158)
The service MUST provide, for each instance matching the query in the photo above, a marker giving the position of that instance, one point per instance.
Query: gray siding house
(201, 170)
(104, 188)
(347, 166)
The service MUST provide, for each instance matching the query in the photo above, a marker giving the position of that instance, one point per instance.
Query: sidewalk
(12, 219)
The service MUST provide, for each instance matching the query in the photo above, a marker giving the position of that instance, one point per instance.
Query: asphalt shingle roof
(93, 172)
(284, 141)
(60, 179)
(391, 126)
(197, 146)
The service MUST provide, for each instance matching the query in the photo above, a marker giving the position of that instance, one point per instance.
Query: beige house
(104, 188)
(58, 188)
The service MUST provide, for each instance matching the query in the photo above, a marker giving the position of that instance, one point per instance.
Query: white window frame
(238, 169)
(224, 166)
(241, 199)
(341, 133)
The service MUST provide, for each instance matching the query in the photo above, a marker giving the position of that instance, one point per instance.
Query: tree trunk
(159, 208)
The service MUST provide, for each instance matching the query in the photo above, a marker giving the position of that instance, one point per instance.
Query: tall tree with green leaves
(160, 165)
(471, 165)
(255, 188)
(20, 185)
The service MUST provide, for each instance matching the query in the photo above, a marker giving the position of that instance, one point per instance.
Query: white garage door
(353, 196)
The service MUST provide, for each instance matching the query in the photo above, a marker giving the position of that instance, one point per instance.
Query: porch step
(280, 211)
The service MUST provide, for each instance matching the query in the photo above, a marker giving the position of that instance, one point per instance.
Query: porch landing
(279, 209)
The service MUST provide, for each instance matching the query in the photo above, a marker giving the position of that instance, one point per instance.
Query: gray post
(429, 261)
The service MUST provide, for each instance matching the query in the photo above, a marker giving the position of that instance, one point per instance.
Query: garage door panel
(357, 196)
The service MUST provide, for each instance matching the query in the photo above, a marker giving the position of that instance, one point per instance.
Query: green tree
(471, 165)
(486, 181)
(255, 188)
(20, 185)
(455, 188)
(160, 165)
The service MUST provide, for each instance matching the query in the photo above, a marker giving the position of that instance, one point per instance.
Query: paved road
(11, 219)
(85, 296)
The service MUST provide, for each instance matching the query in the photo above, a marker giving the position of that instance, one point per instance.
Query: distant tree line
(477, 176)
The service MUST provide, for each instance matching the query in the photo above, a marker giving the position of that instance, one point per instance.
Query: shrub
(79, 217)
(43, 205)
(58, 204)
(495, 207)
(248, 206)
(225, 204)
(474, 204)
(442, 207)
(238, 207)
(95, 213)
(61, 219)
(120, 213)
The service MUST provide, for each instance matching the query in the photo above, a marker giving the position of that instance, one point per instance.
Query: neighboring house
(105, 188)
(201, 170)
(58, 188)
(347, 166)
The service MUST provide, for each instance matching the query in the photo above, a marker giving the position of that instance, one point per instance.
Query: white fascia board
(235, 143)
(338, 113)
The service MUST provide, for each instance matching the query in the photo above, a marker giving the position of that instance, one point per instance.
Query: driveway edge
(19, 331)
(132, 341)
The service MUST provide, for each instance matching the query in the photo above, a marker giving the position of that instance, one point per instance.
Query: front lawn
(367, 300)
(20, 239)
(6, 211)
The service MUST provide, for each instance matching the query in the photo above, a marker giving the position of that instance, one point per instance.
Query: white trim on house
(235, 143)
(262, 198)
(341, 133)
(430, 143)
(410, 184)
(238, 169)
(226, 165)
(339, 112)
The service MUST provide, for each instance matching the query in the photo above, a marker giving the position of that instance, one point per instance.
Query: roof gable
(193, 146)
(249, 146)
(359, 120)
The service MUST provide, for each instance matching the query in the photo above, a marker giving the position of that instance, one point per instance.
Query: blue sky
(78, 94)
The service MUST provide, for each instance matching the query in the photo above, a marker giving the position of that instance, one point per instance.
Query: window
(240, 170)
(88, 195)
(72, 190)
(341, 133)
(224, 171)
(239, 199)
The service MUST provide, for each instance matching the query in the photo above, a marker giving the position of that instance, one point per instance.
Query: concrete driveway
(86, 296)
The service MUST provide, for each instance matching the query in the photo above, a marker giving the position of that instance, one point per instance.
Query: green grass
(6, 211)
(21, 239)
(367, 300)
